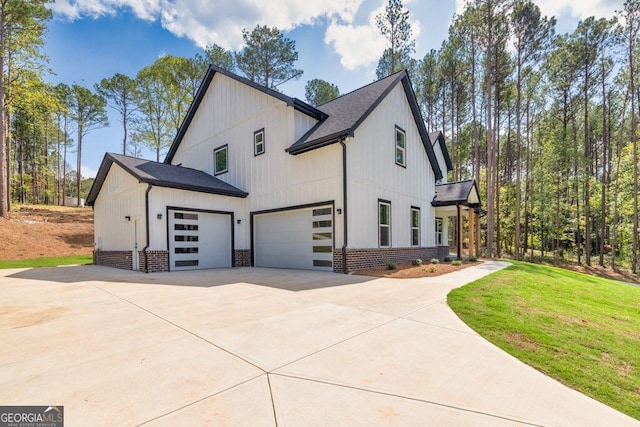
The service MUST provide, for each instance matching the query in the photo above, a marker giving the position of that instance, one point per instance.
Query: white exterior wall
(160, 198)
(441, 162)
(229, 114)
(373, 174)
(121, 195)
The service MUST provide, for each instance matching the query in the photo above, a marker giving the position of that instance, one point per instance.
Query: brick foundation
(153, 261)
(115, 259)
(358, 259)
(242, 257)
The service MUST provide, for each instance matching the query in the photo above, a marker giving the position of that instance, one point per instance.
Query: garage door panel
(199, 240)
(301, 239)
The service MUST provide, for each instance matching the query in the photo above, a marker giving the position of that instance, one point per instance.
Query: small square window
(258, 142)
(220, 160)
(400, 147)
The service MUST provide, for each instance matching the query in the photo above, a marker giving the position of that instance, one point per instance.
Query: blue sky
(336, 39)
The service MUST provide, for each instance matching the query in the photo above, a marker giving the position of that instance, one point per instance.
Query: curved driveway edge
(252, 346)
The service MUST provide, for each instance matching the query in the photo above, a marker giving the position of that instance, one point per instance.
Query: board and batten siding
(121, 195)
(441, 162)
(373, 174)
(161, 198)
(229, 114)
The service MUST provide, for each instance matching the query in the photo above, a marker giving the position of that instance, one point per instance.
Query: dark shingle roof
(454, 193)
(345, 113)
(163, 175)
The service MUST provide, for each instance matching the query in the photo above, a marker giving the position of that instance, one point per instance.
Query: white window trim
(215, 162)
(403, 163)
(380, 225)
(255, 142)
(415, 209)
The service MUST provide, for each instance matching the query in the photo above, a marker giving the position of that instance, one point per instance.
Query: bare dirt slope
(46, 231)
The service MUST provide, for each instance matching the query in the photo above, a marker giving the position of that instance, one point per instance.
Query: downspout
(146, 220)
(344, 205)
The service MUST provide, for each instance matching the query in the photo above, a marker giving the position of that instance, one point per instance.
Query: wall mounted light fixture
(159, 216)
(239, 221)
(127, 217)
(339, 211)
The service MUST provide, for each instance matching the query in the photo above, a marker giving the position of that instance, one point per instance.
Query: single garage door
(199, 240)
(301, 239)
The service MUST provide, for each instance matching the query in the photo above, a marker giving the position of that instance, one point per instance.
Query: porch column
(477, 230)
(459, 208)
(471, 233)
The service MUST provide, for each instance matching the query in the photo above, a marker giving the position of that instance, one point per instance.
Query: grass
(582, 330)
(46, 262)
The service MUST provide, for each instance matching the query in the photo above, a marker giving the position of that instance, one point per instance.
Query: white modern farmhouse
(256, 178)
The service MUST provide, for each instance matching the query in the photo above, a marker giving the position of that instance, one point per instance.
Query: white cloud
(87, 172)
(220, 22)
(361, 45)
(580, 9)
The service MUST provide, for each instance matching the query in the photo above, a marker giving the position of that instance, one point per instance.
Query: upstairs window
(258, 142)
(400, 147)
(384, 224)
(220, 160)
(415, 226)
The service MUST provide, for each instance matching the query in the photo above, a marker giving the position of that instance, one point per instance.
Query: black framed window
(258, 142)
(415, 226)
(439, 228)
(384, 223)
(401, 147)
(220, 160)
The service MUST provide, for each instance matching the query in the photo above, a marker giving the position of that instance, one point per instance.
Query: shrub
(432, 269)
(448, 259)
(416, 261)
(391, 266)
(473, 259)
(456, 262)
(434, 260)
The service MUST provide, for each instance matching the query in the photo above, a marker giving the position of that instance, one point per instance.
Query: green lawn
(47, 262)
(581, 330)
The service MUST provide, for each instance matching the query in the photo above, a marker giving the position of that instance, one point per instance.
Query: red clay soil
(46, 231)
(408, 271)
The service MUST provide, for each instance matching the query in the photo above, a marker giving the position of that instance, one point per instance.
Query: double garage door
(199, 240)
(301, 239)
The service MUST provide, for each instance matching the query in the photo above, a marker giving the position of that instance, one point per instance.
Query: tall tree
(394, 25)
(268, 57)
(318, 91)
(531, 32)
(630, 33)
(22, 26)
(119, 93)
(220, 56)
(153, 127)
(88, 110)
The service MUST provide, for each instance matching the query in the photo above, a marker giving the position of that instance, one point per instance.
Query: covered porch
(458, 210)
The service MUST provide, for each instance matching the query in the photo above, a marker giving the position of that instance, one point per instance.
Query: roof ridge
(362, 87)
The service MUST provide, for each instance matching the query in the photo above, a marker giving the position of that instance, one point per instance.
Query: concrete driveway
(264, 347)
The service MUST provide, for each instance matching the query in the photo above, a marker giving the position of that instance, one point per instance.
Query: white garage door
(300, 239)
(199, 240)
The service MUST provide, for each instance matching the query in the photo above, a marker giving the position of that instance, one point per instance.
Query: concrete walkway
(264, 347)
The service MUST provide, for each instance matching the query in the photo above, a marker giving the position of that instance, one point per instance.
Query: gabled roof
(457, 193)
(347, 112)
(438, 137)
(162, 175)
(213, 69)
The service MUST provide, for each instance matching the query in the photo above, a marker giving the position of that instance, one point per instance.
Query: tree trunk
(587, 170)
(516, 213)
(4, 182)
